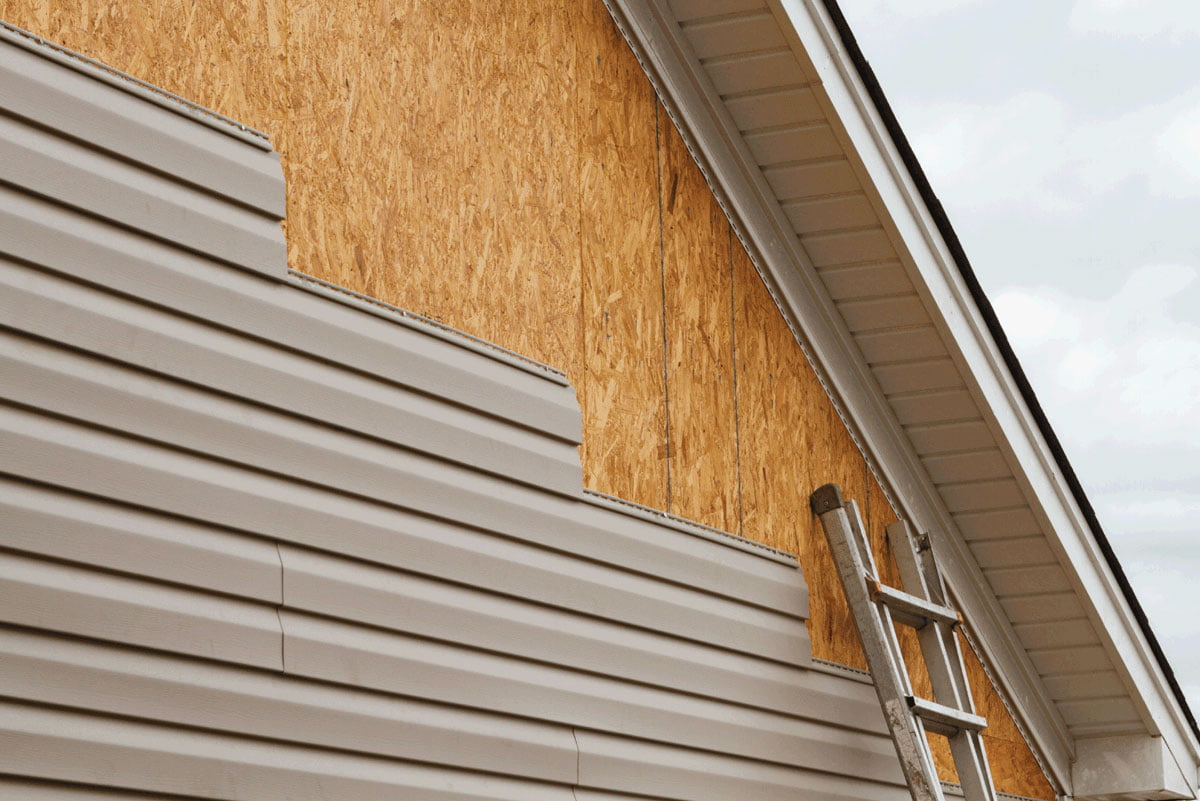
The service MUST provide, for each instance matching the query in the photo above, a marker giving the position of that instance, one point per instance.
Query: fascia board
(961, 323)
(820, 330)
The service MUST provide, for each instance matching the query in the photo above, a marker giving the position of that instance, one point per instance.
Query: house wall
(513, 175)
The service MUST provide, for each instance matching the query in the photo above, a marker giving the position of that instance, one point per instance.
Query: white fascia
(961, 323)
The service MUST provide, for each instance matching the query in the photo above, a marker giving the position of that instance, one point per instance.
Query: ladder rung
(909, 609)
(945, 720)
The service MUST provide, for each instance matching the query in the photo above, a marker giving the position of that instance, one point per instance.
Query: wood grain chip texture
(699, 350)
(506, 169)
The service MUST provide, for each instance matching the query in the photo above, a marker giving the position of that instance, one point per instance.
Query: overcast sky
(1063, 137)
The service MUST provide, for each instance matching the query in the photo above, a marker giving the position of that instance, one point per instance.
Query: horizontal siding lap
(665, 771)
(922, 408)
(944, 437)
(57, 597)
(810, 179)
(846, 247)
(726, 36)
(104, 464)
(686, 10)
(395, 350)
(81, 107)
(866, 280)
(397, 663)
(82, 177)
(463, 615)
(123, 681)
(190, 351)
(751, 72)
(98, 532)
(900, 345)
(783, 107)
(921, 376)
(826, 213)
(75, 747)
(885, 312)
(971, 466)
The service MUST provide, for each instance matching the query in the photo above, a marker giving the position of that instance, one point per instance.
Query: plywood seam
(737, 426)
(662, 267)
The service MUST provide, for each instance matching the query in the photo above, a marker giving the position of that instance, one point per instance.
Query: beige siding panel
(393, 662)
(971, 466)
(1055, 661)
(69, 746)
(892, 346)
(401, 601)
(826, 213)
(258, 502)
(1056, 634)
(741, 34)
(1036, 609)
(80, 176)
(1012, 552)
(812, 141)
(1078, 686)
(1028, 580)
(675, 773)
(997, 524)
(1099, 712)
(975, 496)
(152, 686)
(751, 72)
(943, 437)
(30, 790)
(155, 137)
(849, 247)
(810, 179)
(890, 312)
(57, 597)
(685, 10)
(922, 408)
(932, 374)
(769, 109)
(866, 280)
(97, 532)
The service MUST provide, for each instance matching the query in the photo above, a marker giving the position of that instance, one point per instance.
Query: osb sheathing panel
(702, 439)
(506, 169)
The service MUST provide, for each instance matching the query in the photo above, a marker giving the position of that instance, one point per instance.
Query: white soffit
(779, 120)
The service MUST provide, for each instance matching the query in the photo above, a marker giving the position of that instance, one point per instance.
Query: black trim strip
(993, 323)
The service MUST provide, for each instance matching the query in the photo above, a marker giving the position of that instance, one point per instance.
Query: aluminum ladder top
(924, 607)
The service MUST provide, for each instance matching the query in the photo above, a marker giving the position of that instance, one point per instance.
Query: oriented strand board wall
(506, 169)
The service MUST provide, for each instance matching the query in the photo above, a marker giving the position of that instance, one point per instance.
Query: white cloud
(1123, 371)
(1036, 155)
(1178, 155)
(876, 11)
(1170, 20)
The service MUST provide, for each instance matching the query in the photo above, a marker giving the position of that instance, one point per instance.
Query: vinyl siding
(265, 540)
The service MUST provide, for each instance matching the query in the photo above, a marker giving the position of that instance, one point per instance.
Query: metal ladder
(923, 607)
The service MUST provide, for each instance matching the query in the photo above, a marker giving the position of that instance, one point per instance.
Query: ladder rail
(853, 562)
(923, 605)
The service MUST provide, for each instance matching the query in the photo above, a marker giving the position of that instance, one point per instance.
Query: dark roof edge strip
(940, 218)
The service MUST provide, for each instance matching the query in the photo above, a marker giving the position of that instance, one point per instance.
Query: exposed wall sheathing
(509, 172)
